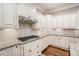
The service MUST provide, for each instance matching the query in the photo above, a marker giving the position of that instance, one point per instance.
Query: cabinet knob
(16, 46)
(30, 50)
(15, 25)
(58, 38)
(37, 52)
(38, 46)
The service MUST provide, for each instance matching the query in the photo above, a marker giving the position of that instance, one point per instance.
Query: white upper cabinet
(32, 11)
(38, 24)
(70, 20)
(41, 18)
(78, 19)
(22, 9)
(1, 14)
(59, 21)
(43, 21)
(54, 22)
(74, 20)
(26, 10)
(65, 19)
(49, 21)
(8, 15)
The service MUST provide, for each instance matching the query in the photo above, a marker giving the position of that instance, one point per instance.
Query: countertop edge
(36, 39)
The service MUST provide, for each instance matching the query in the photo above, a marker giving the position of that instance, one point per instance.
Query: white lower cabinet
(67, 42)
(52, 40)
(6, 52)
(12, 51)
(46, 42)
(60, 41)
(36, 47)
(33, 48)
(41, 45)
(22, 50)
(29, 49)
(16, 50)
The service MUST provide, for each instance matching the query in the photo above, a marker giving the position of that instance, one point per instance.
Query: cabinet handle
(58, 38)
(37, 52)
(30, 50)
(16, 46)
(15, 25)
(38, 46)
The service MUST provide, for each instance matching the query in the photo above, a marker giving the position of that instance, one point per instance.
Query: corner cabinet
(8, 16)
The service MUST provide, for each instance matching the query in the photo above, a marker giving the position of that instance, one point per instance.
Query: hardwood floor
(55, 51)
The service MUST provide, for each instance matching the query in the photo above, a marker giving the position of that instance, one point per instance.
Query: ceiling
(54, 7)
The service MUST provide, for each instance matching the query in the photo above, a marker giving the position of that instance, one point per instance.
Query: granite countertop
(74, 36)
(17, 42)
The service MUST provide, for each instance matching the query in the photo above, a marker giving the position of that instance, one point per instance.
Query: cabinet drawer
(16, 50)
(6, 52)
(3, 53)
(32, 44)
(31, 51)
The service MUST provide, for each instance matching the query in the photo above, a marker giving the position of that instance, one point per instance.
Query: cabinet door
(32, 48)
(22, 50)
(74, 20)
(78, 19)
(32, 11)
(67, 42)
(1, 14)
(52, 40)
(49, 21)
(9, 13)
(46, 43)
(59, 21)
(41, 45)
(66, 22)
(38, 24)
(16, 50)
(61, 41)
(54, 21)
(70, 20)
(6, 52)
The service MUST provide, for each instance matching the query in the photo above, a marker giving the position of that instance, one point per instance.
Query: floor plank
(55, 51)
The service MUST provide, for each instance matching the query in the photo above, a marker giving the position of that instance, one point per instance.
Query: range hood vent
(27, 19)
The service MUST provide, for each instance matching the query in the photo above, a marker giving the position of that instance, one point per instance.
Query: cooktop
(28, 38)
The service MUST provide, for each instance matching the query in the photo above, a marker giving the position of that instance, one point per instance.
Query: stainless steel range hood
(27, 19)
